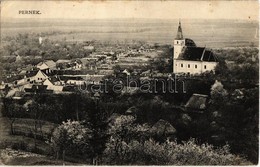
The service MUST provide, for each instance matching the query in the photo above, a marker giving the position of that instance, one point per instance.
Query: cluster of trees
(230, 115)
(164, 63)
(239, 64)
(28, 45)
(130, 143)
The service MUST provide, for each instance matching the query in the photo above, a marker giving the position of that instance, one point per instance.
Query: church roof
(189, 42)
(197, 54)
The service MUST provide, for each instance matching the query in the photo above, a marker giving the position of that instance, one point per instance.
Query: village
(119, 96)
(67, 75)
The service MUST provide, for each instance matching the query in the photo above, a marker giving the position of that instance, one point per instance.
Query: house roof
(62, 61)
(50, 63)
(66, 78)
(31, 73)
(197, 54)
(54, 79)
(197, 101)
(162, 127)
(13, 78)
(86, 60)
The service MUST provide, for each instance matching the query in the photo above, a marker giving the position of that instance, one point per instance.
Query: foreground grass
(14, 157)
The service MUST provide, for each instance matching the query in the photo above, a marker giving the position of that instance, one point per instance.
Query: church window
(177, 42)
(181, 65)
(176, 64)
(205, 67)
(188, 66)
(195, 66)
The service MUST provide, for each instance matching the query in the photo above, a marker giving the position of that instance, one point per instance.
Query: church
(190, 59)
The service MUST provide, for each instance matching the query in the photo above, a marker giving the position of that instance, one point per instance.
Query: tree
(125, 134)
(71, 137)
(218, 93)
(13, 110)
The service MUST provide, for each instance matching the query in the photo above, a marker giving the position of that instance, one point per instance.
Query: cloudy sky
(246, 10)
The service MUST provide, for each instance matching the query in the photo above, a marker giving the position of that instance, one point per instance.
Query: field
(210, 33)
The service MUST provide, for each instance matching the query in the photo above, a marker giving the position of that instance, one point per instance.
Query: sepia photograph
(125, 82)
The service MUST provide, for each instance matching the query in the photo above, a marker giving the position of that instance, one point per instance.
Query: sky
(79, 9)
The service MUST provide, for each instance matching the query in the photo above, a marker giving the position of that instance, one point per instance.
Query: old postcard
(129, 82)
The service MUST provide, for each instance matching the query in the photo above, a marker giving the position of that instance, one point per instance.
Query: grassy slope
(7, 140)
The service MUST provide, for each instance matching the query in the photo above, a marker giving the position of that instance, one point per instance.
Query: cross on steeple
(179, 32)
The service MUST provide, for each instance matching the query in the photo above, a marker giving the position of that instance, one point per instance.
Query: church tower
(179, 42)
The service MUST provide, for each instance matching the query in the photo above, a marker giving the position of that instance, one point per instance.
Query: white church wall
(208, 66)
(193, 67)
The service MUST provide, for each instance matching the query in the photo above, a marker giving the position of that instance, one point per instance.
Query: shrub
(171, 153)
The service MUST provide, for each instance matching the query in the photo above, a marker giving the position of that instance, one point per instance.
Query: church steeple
(179, 33)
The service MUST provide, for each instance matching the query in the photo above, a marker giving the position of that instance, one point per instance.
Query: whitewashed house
(32, 77)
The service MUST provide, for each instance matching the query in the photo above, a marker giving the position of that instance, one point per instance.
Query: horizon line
(127, 18)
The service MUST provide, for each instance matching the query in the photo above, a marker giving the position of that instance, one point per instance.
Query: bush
(170, 153)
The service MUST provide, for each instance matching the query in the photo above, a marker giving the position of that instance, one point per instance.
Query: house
(190, 59)
(31, 77)
(75, 82)
(27, 69)
(69, 65)
(35, 77)
(89, 62)
(106, 72)
(62, 61)
(93, 79)
(197, 103)
(76, 65)
(71, 80)
(51, 86)
(47, 66)
(89, 47)
(162, 128)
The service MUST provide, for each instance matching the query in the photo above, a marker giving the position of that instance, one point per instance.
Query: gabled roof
(62, 61)
(50, 63)
(163, 127)
(197, 102)
(197, 54)
(31, 73)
